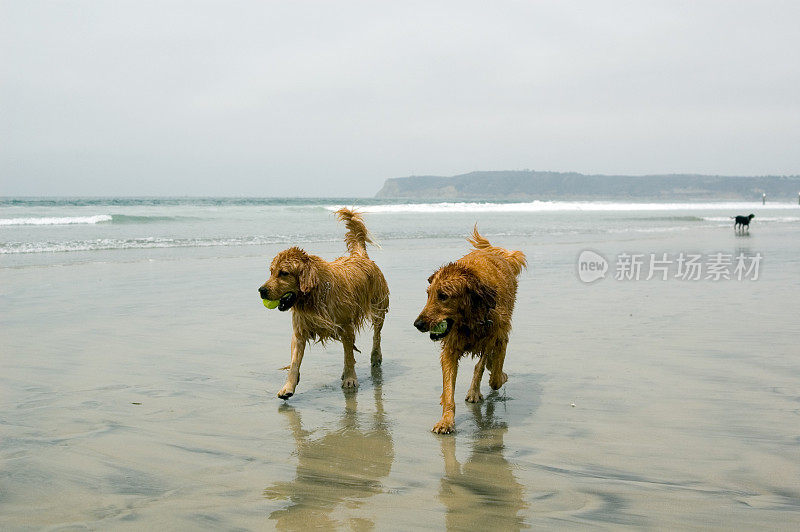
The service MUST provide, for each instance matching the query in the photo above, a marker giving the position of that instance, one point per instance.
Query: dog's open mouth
(287, 300)
(441, 329)
(284, 303)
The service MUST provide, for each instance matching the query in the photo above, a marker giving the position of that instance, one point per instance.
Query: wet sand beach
(140, 394)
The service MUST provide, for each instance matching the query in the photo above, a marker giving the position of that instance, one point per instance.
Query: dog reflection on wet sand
(482, 493)
(345, 465)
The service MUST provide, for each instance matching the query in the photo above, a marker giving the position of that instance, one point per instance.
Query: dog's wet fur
(330, 300)
(475, 296)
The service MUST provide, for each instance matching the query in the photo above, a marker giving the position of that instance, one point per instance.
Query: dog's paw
(349, 383)
(496, 381)
(474, 396)
(288, 388)
(285, 393)
(444, 426)
(376, 358)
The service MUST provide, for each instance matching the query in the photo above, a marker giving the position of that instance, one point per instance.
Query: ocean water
(139, 372)
(47, 231)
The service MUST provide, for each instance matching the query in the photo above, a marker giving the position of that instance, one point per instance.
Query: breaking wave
(102, 244)
(555, 206)
(65, 220)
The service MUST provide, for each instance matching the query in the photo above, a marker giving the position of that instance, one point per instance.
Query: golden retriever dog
(469, 308)
(329, 300)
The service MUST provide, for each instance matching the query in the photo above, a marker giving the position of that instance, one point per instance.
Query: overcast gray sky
(301, 98)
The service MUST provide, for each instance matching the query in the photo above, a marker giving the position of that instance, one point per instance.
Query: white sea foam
(104, 244)
(556, 206)
(65, 220)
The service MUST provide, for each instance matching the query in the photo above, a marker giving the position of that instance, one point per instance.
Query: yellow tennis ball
(440, 327)
(270, 303)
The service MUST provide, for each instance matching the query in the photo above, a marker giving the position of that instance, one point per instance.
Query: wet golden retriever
(469, 308)
(329, 300)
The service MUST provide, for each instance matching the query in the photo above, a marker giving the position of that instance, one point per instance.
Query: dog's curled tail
(478, 241)
(517, 259)
(357, 234)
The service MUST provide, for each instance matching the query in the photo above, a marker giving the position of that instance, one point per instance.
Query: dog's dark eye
(283, 273)
(441, 296)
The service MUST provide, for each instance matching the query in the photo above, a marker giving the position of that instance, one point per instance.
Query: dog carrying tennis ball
(329, 300)
(468, 309)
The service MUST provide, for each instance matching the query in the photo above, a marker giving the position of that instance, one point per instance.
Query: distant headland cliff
(529, 184)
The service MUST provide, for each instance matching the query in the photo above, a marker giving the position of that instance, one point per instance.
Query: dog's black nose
(263, 292)
(421, 325)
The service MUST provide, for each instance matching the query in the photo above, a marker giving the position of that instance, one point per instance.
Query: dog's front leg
(449, 361)
(298, 348)
(349, 380)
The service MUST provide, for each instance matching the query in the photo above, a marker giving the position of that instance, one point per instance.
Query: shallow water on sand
(141, 394)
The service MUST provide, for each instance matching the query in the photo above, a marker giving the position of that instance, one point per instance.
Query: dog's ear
(482, 295)
(308, 276)
(480, 300)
